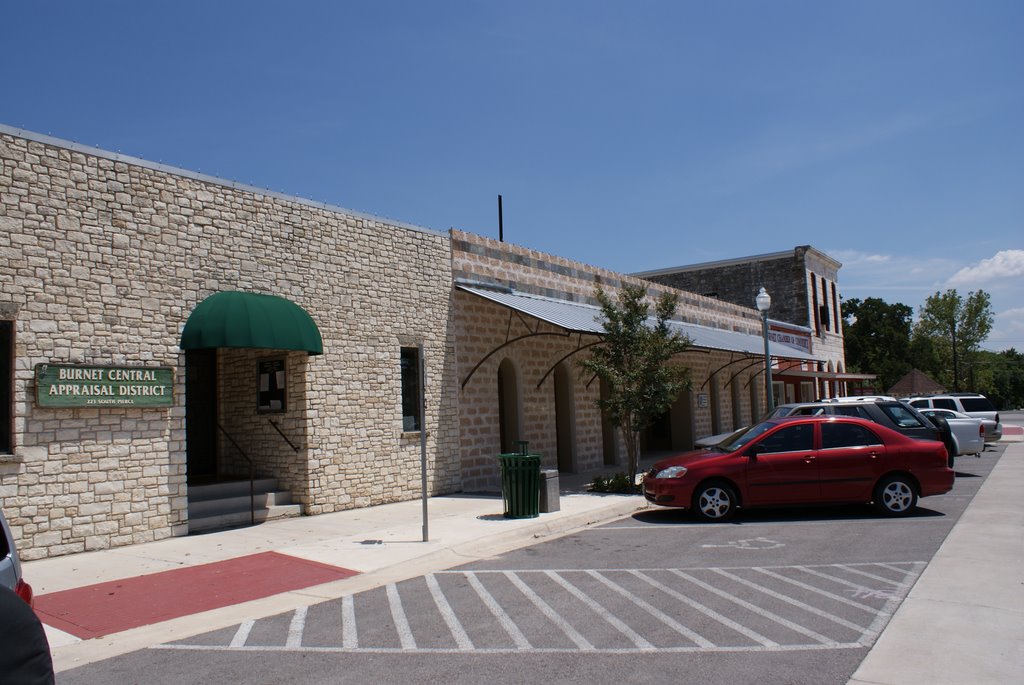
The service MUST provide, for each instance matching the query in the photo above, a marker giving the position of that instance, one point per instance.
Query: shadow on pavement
(781, 515)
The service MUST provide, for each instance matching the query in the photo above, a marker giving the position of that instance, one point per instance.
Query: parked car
(891, 413)
(888, 411)
(970, 403)
(10, 565)
(993, 430)
(803, 460)
(968, 432)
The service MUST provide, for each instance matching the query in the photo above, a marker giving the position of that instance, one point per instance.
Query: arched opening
(716, 406)
(682, 422)
(737, 404)
(508, 406)
(565, 426)
(246, 407)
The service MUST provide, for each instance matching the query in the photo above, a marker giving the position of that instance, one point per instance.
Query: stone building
(805, 312)
(161, 330)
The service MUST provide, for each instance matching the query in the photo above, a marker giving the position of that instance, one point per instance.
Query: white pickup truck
(968, 432)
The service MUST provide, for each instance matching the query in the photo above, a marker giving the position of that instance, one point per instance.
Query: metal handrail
(252, 475)
(281, 433)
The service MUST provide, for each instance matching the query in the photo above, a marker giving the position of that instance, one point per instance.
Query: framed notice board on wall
(271, 391)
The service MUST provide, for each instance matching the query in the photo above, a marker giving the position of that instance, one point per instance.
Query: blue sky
(630, 135)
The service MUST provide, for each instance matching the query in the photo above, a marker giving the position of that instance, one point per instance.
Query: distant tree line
(944, 343)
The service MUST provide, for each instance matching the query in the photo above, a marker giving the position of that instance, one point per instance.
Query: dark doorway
(508, 407)
(658, 436)
(201, 414)
(6, 381)
(564, 433)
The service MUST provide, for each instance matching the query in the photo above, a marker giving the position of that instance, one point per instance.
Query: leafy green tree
(957, 326)
(1002, 377)
(877, 339)
(633, 362)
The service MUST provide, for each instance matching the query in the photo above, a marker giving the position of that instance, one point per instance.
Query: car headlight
(672, 472)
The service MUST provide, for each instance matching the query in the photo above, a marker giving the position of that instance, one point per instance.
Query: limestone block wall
(102, 259)
(489, 261)
(482, 327)
(739, 281)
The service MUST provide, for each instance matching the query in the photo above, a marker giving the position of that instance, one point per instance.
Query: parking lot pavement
(959, 623)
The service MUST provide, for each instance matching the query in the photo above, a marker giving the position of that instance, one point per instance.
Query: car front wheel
(895, 496)
(714, 502)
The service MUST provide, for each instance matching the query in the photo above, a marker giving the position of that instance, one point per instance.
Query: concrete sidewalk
(962, 622)
(384, 544)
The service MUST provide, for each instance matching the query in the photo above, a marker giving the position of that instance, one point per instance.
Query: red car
(803, 460)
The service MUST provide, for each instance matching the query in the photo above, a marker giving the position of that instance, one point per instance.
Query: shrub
(620, 482)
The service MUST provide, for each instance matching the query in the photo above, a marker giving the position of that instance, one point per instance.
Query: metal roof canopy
(250, 320)
(584, 318)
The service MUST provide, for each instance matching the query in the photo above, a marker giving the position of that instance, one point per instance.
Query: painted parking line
(604, 611)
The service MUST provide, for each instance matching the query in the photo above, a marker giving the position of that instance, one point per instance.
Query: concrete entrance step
(235, 519)
(217, 506)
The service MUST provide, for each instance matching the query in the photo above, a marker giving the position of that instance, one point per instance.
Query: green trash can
(520, 484)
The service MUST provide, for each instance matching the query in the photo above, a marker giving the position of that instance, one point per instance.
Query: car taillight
(24, 590)
(981, 430)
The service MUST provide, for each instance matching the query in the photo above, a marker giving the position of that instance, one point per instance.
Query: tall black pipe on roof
(501, 225)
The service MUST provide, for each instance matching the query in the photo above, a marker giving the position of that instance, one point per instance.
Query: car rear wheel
(895, 496)
(714, 502)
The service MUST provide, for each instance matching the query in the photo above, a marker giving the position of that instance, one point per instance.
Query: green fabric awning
(250, 320)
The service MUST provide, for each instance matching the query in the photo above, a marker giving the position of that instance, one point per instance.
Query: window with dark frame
(6, 385)
(814, 305)
(410, 361)
(271, 395)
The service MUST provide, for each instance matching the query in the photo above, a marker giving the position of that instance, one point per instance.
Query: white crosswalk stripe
(607, 610)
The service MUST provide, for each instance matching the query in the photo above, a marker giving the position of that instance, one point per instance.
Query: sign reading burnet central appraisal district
(64, 385)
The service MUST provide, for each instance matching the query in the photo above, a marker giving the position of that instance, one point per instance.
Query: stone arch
(565, 419)
(509, 406)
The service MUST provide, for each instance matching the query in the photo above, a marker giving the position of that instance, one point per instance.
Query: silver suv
(10, 565)
(970, 403)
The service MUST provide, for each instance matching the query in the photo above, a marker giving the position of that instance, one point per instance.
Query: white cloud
(1005, 264)
(1007, 330)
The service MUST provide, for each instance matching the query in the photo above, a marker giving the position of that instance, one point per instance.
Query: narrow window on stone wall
(6, 385)
(835, 307)
(824, 305)
(814, 305)
(272, 391)
(410, 389)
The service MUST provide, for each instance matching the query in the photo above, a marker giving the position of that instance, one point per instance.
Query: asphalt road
(780, 596)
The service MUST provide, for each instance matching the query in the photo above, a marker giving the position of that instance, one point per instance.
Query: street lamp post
(764, 301)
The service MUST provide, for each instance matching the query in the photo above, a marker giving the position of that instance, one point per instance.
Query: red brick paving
(105, 608)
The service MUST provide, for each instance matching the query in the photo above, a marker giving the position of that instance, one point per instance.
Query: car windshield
(738, 440)
(904, 416)
(780, 412)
